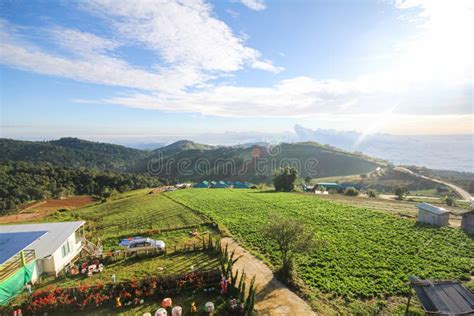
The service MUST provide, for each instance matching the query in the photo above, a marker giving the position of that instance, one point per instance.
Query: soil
(40, 209)
(272, 297)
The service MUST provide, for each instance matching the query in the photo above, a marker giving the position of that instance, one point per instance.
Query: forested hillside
(71, 152)
(254, 164)
(22, 181)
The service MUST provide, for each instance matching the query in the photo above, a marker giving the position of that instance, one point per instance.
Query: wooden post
(407, 310)
(23, 259)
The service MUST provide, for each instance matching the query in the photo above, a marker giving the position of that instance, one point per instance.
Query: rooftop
(13, 243)
(51, 238)
(443, 297)
(431, 208)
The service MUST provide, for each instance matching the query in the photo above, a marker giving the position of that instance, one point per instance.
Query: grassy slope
(132, 214)
(368, 253)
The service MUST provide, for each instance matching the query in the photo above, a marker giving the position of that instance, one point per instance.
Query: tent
(201, 185)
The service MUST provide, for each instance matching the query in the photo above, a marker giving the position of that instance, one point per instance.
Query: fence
(21, 259)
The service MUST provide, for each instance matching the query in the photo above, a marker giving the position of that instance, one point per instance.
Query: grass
(132, 214)
(137, 213)
(140, 267)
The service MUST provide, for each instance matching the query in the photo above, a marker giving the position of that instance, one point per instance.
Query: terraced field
(367, 253)
(130, 215)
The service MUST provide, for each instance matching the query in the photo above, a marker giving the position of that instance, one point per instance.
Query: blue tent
(220, 185)
(240, 185)
(201, 185)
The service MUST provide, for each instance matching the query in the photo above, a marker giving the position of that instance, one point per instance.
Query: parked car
(143, 244)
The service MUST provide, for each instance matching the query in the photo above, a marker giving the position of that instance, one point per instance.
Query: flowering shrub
(130, 292)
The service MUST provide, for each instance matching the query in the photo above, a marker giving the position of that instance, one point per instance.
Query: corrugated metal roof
(56, 234)
(443, 297)
(431, 208)
(13, 243)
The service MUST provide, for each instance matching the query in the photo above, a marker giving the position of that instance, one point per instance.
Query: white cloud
(193, 47)
(256, 5)
(82, 43)
(91, 65)
(181, 32)
(196, 48)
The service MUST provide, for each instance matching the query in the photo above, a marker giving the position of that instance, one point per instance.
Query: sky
(156, 70)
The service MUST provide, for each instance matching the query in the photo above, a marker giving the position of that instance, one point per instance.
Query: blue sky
(160, 70)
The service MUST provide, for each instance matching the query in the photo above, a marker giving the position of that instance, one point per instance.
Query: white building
(432, 215)
(55, 244)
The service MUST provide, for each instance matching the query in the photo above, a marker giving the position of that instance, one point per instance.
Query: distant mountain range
(187, 160)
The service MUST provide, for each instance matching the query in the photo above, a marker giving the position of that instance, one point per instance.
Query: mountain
(447, 152)
(183, 145)
(190, 161)
(71, 152)
(144, 146)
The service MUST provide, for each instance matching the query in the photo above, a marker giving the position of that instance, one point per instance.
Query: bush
(351, 191)
(372, 193)
(450, 200)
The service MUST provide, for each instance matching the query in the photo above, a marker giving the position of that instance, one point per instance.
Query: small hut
(329, 186)
(432, 215)
(467, 222)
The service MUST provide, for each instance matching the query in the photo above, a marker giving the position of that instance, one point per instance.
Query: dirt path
(460, 191)
(273, 298)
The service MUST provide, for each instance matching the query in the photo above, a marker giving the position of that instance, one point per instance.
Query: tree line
(21, 182)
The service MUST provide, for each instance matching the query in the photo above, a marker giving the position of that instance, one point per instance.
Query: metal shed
(467, 223)
(443, 297)
(432, 215)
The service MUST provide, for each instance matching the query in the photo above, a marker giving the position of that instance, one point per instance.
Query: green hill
(254, 164)
(189, 161)
(71, 152)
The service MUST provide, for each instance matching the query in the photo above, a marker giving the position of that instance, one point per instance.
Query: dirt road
(460, 191)
(272, 298)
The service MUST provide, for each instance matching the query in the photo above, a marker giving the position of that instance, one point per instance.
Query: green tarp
(16, 283)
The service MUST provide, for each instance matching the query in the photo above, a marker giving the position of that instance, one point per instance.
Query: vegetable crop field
(136, 213)
(365, 253)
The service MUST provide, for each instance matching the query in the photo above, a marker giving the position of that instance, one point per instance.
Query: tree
(351, 191)
(470, 187)
(401, 192)
(450, 200)
(292, 237)
(284, 179)
(307, 180)
(371, 193)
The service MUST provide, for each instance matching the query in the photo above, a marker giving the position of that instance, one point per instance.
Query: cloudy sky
(107, 69)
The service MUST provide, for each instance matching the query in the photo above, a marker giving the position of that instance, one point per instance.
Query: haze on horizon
(142, 70)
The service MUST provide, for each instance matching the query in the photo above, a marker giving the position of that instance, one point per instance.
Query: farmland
(39, 209)
(140, 213)
(135, 213)
(366, 253)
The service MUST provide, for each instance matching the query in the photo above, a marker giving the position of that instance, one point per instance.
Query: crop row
(365, 254)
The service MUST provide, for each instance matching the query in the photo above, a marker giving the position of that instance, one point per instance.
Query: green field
(136, 213)
(366, 253)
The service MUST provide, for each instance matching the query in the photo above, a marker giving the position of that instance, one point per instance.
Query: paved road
(273, 298)
(460, 191)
